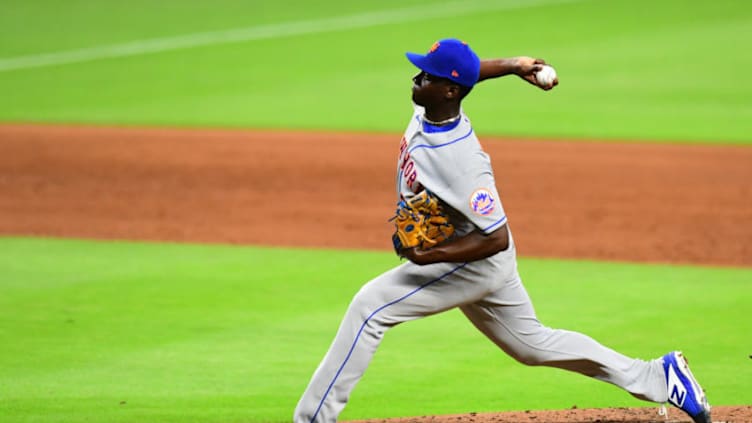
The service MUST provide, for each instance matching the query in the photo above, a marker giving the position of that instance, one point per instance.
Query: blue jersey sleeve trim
(493, 225)
(441, 145)
(360, 331)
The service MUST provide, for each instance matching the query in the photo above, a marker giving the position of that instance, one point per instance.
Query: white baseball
(545, 76)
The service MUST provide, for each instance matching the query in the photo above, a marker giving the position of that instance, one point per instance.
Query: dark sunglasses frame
(431, 78)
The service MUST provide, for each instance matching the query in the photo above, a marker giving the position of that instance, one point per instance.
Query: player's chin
(416, 99)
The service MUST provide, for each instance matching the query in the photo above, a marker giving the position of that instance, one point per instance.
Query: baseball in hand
(545, 76)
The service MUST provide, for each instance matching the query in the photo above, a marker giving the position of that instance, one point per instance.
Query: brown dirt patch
(631, 202)
(726, 414)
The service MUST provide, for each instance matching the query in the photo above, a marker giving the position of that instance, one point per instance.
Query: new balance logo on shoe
(683, 389)
(676, 391)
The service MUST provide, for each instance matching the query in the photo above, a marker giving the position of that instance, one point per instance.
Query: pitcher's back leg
(507, 318)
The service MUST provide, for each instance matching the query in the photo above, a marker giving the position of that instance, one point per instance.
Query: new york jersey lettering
(407, 169)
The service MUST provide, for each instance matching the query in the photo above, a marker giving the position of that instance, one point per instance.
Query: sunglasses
(423, 75)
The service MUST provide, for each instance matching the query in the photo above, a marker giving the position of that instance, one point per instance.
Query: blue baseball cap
(451, 59)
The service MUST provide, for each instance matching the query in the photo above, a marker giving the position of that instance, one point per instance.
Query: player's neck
(442, 115)
(441, 122)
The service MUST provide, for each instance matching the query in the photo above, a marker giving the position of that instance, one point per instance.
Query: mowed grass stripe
(284, 29)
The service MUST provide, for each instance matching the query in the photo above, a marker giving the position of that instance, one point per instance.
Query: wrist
(421, 257)
(518, 65)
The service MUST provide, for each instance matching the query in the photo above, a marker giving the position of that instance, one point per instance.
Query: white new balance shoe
(683, 390)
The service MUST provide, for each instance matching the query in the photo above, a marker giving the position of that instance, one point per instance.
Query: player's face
(428, 89)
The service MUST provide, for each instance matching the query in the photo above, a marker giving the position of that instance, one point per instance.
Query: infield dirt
(638, 202)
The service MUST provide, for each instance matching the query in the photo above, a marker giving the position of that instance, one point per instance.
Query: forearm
(494, 68)
(523, 66)
(471, 247)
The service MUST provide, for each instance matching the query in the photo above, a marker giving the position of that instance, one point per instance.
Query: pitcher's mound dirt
(736, 414)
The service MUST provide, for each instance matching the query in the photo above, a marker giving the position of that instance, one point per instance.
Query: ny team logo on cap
(437, 44)
(482, 202)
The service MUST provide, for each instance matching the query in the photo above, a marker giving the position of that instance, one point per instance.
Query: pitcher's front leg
(405, 293)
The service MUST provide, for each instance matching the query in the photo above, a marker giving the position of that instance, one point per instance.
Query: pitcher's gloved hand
(420, 222)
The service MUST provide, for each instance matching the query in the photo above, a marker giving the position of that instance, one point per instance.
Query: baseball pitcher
(451, 227)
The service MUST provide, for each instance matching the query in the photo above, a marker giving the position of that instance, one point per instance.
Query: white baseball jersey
(449, 162)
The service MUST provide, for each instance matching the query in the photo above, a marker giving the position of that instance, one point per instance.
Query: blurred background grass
(636, 70)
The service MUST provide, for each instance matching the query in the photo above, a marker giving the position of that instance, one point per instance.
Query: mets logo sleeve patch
(482, 202)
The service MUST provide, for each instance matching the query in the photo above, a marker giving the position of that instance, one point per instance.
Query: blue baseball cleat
(683, 390)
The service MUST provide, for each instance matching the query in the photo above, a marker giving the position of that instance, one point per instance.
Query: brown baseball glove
(420, 222)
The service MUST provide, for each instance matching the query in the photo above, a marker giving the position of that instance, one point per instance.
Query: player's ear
(453, 92)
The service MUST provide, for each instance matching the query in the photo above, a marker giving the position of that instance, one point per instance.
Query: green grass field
(630, 69)
(123, 332)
